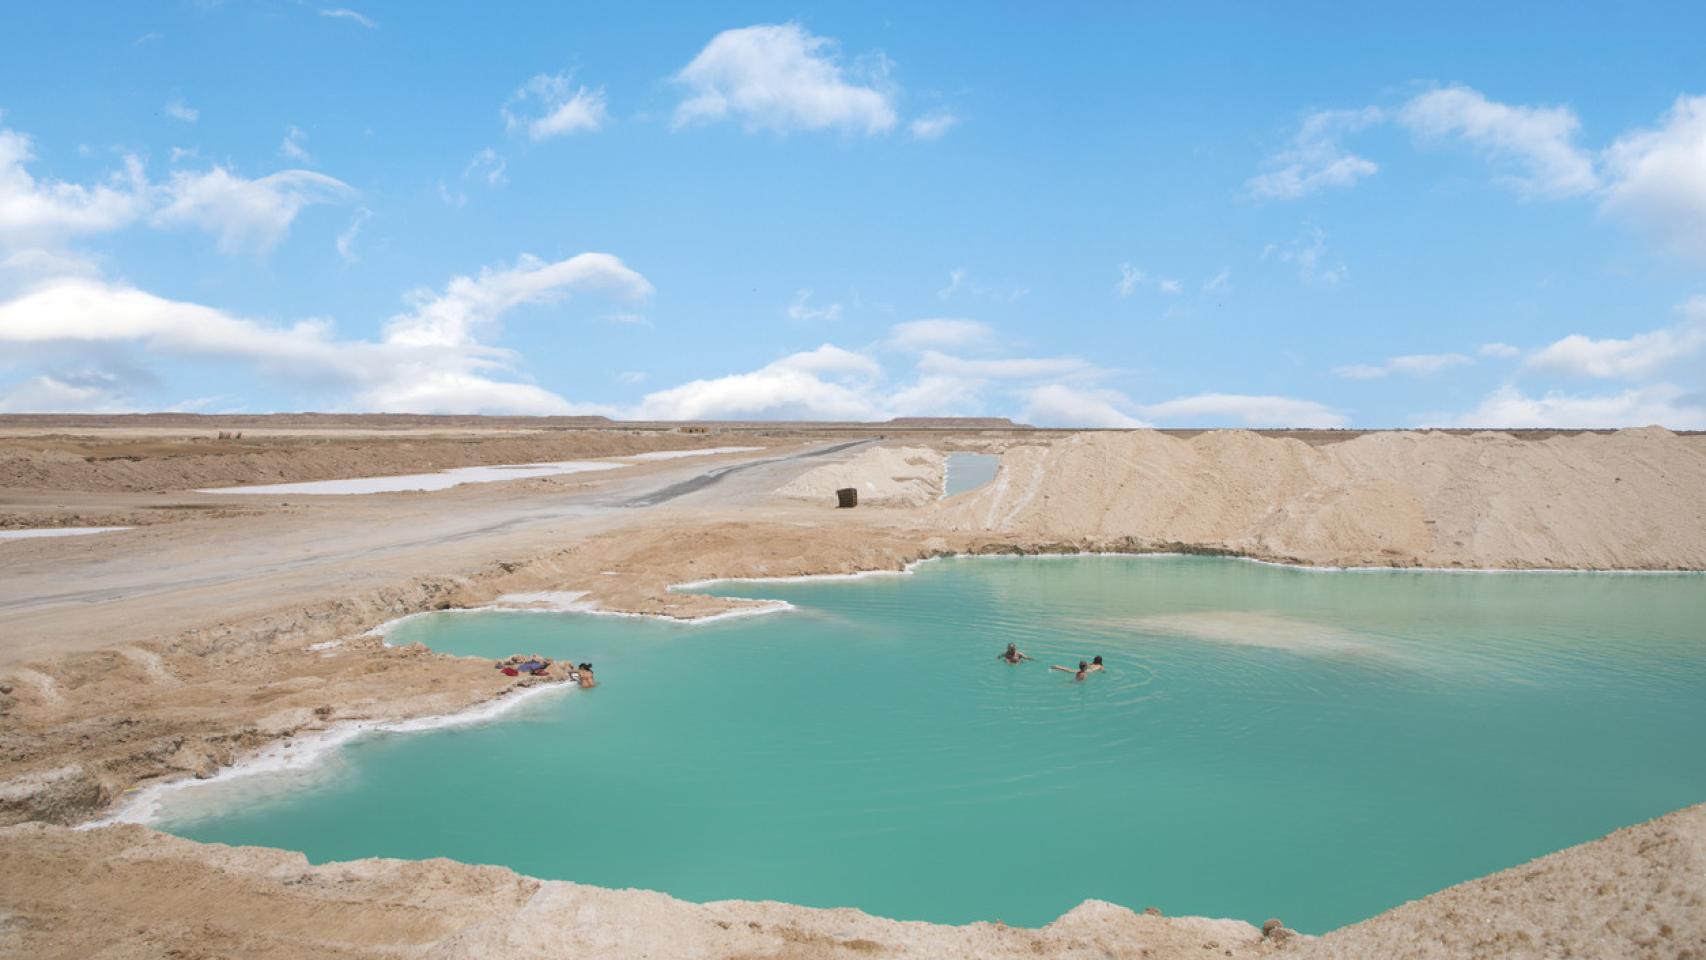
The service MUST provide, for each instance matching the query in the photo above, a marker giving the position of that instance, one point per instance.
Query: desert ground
(218, 626)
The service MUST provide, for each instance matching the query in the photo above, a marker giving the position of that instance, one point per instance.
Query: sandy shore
(216, 631)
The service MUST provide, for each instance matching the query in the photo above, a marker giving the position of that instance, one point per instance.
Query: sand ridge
(1635, 499)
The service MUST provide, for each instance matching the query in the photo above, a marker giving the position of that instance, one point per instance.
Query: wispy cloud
(487, 166)
(781, 78)
(1308, 253)
(1414, 364)
(294, 145)
(550, 106)
(801, 309)
(345, 13)
(1314, 159)
(1131, 278)
(346, 239)
(1537, 143)
(178, 110)
(932, 126)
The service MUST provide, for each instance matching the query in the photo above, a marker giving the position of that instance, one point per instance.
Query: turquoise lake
(1317, 746)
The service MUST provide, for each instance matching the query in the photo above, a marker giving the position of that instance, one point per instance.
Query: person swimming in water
(586, 680)
(1012, 654)
(1082, 671)
(1096, 664)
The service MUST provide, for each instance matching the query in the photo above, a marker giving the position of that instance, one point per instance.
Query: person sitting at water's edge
(1012, 654)
(1082, 672)
(586, 679)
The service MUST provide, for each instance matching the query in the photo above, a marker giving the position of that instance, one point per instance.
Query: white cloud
(468, 306)
(779, 77)
(1538, 141)
(346, 239)
(344, 13)
(450, 391)
(801, 309)
(49, 394)
(1131, 278)
(1220, 282)
(831, 360)
(633, 376)
(1007, 368)
(245, 214)
(1634, 358)
(45, 212)
(178, 110)
(933, 126)
(1498, 350)
(293, 147)
(1662, 404)
(827, 383)
(1415, 364)
(430, 360)
(549, 106)
(959, 282)
(1314, 159)
(89, 311)
(1308, 254)
(36, 263)
(1658, 178)
(937, 396)
(938, 332)
(1251, 411)
(1056, 405)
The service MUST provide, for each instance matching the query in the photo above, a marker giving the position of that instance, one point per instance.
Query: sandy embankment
(1632, 500)
(206, 686)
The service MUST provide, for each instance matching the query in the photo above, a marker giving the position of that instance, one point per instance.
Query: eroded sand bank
(1635, 499)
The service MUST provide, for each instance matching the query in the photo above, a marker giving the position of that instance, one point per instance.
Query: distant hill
(955, 423)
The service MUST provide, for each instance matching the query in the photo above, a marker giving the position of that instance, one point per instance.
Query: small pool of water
(968, 471)
(33, 533)
(442, 480)
(1265, 742)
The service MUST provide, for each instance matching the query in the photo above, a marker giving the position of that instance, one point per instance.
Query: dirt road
(66, 594)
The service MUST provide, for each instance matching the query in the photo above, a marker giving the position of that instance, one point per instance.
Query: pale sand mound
(1631, 500)
(1638, 894)
(884, 477)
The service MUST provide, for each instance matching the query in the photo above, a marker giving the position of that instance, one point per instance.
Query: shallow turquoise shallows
(1265, 742)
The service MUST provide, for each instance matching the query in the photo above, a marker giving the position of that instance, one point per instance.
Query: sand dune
(1635, 499)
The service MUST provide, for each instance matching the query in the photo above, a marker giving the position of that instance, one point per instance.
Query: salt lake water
(1317, 746)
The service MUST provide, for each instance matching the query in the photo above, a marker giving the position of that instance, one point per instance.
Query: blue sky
(1202, 214)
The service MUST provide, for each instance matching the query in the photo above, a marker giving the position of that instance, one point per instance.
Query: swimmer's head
(1083, 666)
(1098, 660)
